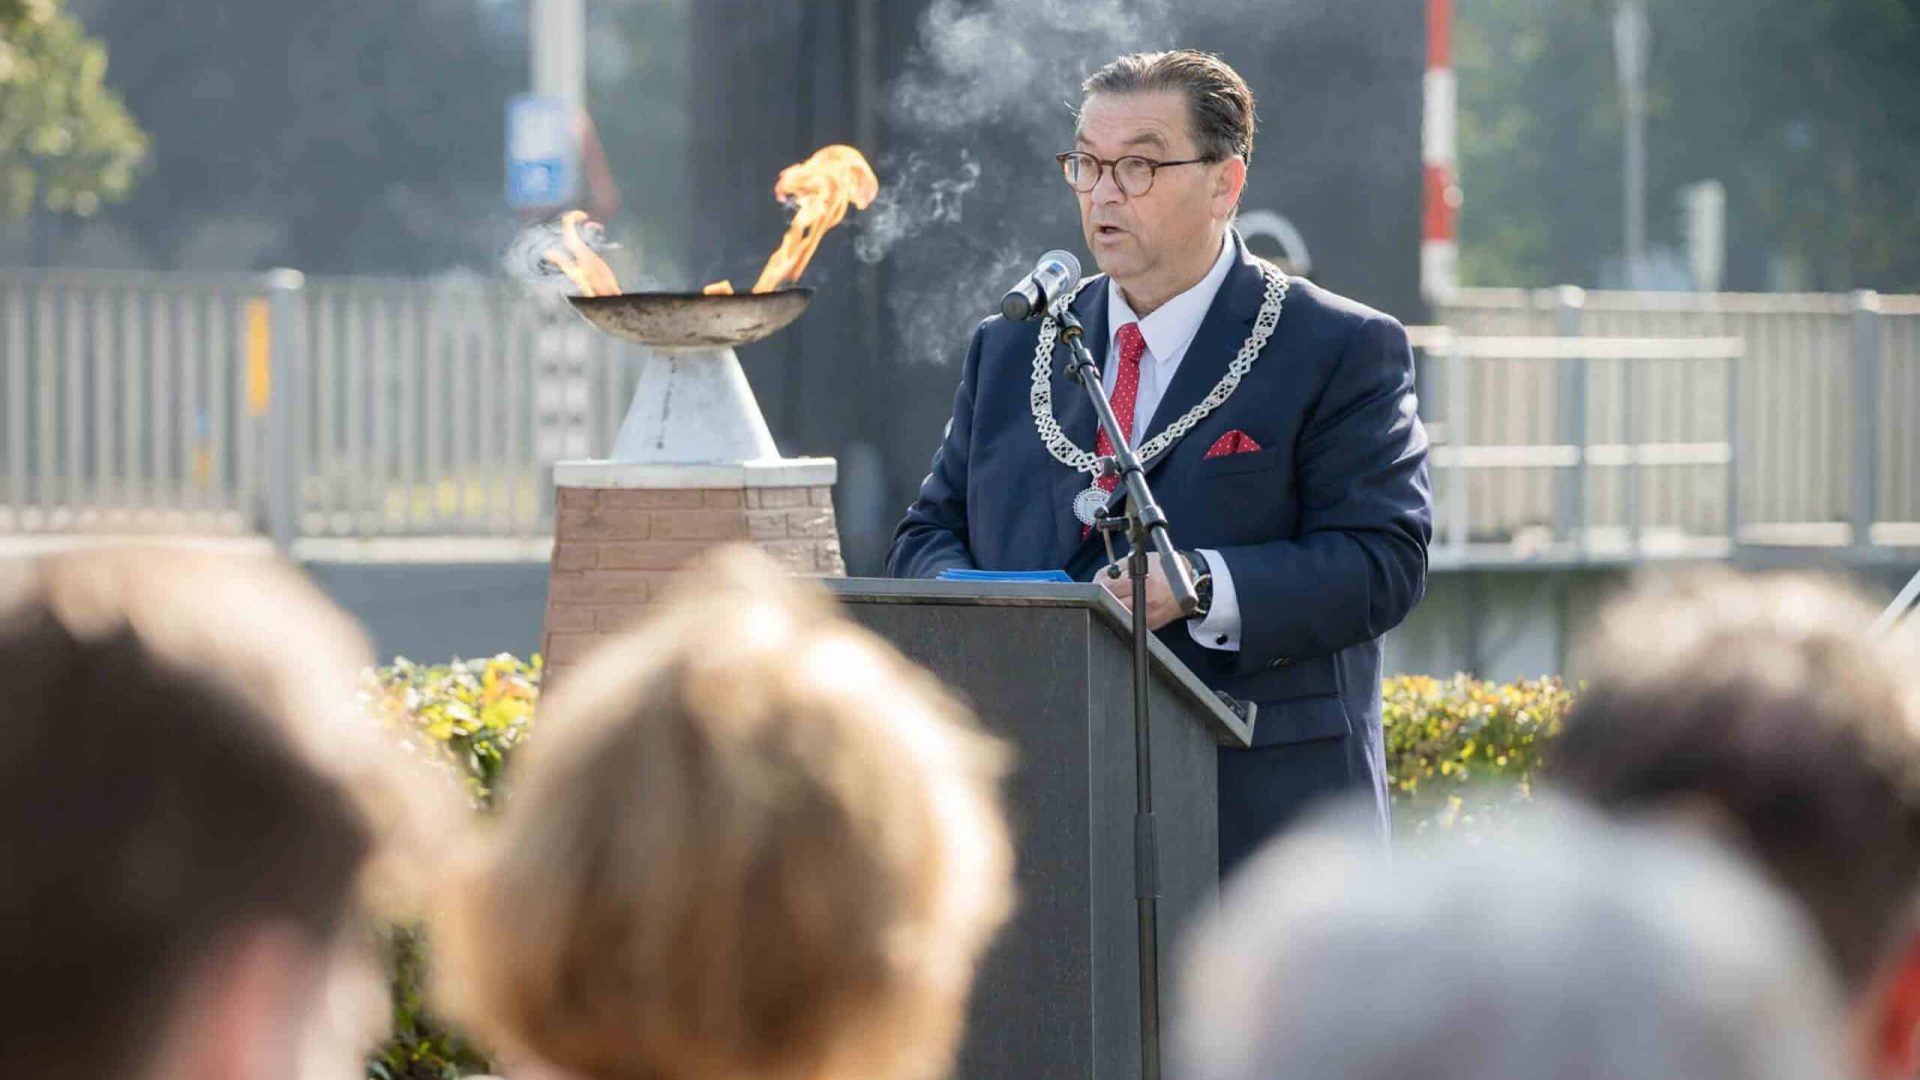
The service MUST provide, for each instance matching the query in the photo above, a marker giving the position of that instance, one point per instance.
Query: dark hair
(154, 797)
(1765, 703)
(1219, 103)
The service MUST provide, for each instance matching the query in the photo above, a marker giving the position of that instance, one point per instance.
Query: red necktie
(1126, 388)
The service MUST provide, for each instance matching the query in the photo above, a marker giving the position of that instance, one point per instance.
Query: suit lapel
(1214, 346)
(1075, 416)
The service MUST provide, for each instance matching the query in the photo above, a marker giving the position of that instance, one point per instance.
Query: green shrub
(421, 1046)
(1458, 752)
(476, 712)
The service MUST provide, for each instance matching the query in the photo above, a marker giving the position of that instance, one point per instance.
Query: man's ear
(1894, 1032)
(1228, 186)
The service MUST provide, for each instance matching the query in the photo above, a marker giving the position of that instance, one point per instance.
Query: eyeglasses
(1133, 173)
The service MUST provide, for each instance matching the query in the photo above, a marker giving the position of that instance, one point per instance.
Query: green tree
(1805, 110)
(1802, 108)
(638, 58)
(67, 144)
(358, 135)
(1537, 166)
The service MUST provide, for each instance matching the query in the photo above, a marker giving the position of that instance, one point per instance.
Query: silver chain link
(1041, 397)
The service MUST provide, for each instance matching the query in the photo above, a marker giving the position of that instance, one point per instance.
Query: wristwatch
(1202, 583)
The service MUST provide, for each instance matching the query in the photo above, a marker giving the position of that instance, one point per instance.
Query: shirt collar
(1171, 327)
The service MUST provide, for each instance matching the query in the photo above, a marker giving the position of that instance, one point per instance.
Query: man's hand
(1161, 608)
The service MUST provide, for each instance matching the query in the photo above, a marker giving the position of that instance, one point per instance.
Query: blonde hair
(748, 840)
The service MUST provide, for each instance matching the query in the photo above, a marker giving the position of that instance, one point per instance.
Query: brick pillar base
(622, 530)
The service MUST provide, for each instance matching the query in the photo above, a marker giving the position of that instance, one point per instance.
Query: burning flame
(819, 189)
(576, 258)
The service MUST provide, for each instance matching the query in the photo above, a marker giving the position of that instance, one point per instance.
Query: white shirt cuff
(1221, 628)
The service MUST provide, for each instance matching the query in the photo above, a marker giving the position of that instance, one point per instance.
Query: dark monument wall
(868, 374)
(773, 81)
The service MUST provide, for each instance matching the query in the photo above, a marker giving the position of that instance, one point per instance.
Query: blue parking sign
(543, 156)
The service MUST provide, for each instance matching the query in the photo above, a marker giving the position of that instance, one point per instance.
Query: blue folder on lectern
(954, 574)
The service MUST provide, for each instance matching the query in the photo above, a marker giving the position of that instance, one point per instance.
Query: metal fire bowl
(693, 320)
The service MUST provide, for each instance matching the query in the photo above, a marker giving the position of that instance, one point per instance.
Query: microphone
(1054, 276)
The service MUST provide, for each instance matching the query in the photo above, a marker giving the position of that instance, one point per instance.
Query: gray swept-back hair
(1219, 102)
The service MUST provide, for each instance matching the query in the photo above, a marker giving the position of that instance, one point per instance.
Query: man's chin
(1116, 260)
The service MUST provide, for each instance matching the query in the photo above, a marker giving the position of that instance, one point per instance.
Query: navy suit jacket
(1325, 529)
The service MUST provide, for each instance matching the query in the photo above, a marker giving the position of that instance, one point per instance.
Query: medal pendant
(1088, 503)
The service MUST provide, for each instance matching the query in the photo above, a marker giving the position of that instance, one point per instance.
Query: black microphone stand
(1145, 525)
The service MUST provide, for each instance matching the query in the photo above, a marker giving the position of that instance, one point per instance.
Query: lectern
(1046, 668)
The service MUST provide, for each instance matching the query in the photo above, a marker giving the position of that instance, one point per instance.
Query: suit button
(1279, 662)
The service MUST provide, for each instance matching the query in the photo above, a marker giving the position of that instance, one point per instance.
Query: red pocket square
(1233, 442)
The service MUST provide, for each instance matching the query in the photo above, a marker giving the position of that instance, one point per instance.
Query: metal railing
(1594, 425)
(1806, 435)
(295, 407)
(1596, 475)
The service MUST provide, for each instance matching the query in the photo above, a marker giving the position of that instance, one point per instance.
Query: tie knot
(1132, 345)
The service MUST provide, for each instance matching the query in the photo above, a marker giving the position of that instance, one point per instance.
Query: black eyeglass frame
(1101, 165)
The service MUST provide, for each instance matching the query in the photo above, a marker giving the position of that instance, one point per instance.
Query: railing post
(1631, 378)
(1570, 515)
(1459, 508)
(285, 380)
(1866, 414)
(1733, 451)
(13, 347)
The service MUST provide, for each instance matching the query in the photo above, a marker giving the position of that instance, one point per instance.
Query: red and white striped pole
(1440, 213)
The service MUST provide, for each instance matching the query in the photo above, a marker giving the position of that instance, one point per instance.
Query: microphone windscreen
(1071, 262)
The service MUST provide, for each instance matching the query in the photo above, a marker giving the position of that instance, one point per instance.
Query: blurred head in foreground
(1563, 948)
(750, 840)
(1762, 704)
(190, 807)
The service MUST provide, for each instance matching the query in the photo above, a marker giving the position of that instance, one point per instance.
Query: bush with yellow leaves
(476, 710)
(471, 713)
(1460, 750)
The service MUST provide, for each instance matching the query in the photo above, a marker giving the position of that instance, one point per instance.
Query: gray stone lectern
(1046, 668)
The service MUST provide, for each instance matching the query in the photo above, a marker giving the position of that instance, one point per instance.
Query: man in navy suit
(1276, 420)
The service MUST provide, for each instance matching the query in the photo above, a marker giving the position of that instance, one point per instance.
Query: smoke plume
(973, 195)
(1017, 61)
(524, 261)
(923, 192)
(970, 191)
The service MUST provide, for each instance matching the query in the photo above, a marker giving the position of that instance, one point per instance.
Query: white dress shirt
(1168, 332)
